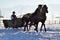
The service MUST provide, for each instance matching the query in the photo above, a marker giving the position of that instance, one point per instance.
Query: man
(13, 17)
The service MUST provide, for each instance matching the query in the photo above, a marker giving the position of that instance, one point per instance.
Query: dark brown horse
(38, 16)
(25, 18)
(26, 21)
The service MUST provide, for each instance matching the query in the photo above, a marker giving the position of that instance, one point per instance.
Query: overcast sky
(25, 6)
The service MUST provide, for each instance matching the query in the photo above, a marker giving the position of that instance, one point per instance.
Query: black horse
(25, 18)
(38, 16)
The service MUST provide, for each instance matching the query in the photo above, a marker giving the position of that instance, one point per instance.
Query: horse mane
(37, 10)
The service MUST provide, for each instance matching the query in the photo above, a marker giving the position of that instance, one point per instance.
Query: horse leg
(36, 25)
(41, 27)
(44, 28)
(30, 25)
(26, 26)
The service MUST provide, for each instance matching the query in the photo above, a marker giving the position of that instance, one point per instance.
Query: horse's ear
(39, 5)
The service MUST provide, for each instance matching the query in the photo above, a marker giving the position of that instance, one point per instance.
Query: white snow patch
(16, 33)
(2, 34)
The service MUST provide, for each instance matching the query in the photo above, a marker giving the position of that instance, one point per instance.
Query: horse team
(39, 15)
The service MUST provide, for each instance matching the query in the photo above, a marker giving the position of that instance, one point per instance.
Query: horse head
(45, 9)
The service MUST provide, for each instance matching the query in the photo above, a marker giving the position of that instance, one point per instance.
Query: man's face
(13, 13)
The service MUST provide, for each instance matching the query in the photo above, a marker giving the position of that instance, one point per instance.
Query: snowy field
(18, 34)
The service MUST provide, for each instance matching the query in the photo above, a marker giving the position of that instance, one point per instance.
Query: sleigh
(9, 24)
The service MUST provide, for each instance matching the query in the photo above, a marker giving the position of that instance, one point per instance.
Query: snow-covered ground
(17, 34)
(53, 33)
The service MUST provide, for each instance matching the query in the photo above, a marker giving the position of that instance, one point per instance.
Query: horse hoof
(36, 30)
(40, 29)
(27, 30)
(45, 29)
(24, 30)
